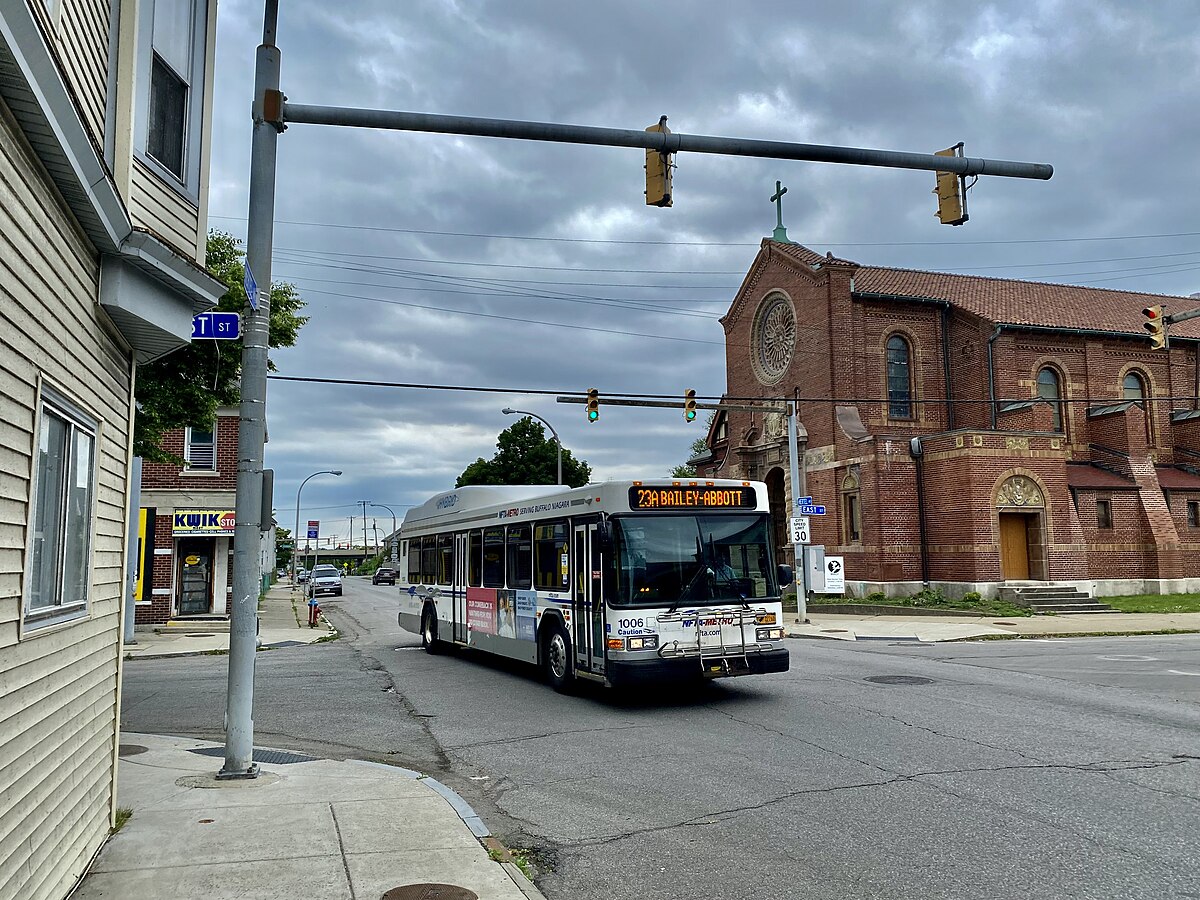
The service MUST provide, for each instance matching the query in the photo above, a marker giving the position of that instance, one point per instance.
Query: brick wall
(168, 476)
(840, 359)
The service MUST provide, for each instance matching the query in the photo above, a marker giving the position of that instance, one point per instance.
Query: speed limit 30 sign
(798, 526)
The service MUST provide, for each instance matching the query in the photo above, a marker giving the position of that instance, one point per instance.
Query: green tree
(699, 445)
(186, 387)
(284, 547)
(524, 455)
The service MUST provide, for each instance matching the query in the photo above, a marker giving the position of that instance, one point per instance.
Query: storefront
(202, 542)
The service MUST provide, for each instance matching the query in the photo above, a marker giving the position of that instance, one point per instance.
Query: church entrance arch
(1020, 515)
(777, 496)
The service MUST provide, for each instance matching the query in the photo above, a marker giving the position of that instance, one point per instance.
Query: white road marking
(1129, 658)
(1177, 672)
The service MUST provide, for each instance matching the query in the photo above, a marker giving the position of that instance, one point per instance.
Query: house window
(171, 87)
(200, 448)
(851, 510)
(899, 383)
(1104, 514)
(1049, 387)
(721, 429)
(61, 526)
(1193, 513)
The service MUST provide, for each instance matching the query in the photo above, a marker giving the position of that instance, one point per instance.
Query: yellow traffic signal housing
(1156, 324)
(593, 405)
(951, 194)
(689, 405)
(658, 171)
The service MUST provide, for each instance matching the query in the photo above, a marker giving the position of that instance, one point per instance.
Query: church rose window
(774, 339)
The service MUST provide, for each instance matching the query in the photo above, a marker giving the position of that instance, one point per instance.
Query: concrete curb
(466, 813)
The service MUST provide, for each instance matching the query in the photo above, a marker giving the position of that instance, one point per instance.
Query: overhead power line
(711, 398)
(519, 237)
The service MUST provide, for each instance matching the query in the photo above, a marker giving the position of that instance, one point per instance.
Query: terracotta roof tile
(1087, 476)
(1011, 302)
(1175, 479)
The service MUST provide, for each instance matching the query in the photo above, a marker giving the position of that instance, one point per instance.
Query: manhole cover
(199, 634)
(898, 679)
(429, 892)
(131, 749)
(834, 631)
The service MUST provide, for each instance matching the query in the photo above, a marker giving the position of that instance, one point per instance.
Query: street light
(509, 411)
(393, 541)
(296, 533)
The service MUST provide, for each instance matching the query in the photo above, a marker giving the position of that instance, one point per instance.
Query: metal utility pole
(296, 533)
(243, 614)
(271, 114)
(366, 546)
(392, 542)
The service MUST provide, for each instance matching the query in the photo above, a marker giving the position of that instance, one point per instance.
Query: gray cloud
(1106, 93)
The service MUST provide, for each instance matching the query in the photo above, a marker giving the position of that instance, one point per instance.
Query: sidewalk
(311, 828)
(958, 628)
(279, 625)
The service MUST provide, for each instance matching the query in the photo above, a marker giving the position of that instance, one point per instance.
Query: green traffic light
(691, 414)
(593, 415)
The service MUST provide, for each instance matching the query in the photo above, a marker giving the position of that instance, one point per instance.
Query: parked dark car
(384, 575)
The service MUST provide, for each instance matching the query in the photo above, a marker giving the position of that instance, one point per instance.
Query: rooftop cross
(780, 233)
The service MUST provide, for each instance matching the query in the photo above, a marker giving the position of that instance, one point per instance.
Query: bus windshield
(699, 559)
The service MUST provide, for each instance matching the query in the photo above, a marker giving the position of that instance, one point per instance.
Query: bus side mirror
(785, 575)
(604, 535)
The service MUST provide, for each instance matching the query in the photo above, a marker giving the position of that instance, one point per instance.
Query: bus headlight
(645, 642)
(768, 634)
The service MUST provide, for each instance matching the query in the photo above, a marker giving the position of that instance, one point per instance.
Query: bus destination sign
(692, 498)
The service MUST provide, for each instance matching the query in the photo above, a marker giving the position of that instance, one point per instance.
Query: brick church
(968, 432)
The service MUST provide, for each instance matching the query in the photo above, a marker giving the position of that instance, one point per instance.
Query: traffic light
(658, 171)
(689, 405)
(951, 194)
(593, 405)
(1156, 324)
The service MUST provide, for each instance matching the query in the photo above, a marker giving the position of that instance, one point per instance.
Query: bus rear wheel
(556, 659)
(429, 638)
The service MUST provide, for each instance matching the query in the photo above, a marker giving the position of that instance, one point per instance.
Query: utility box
(814, 567)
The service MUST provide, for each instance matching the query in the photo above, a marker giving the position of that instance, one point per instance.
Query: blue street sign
(812, 510)
(804, 501)
(217, 326)
(251, 287)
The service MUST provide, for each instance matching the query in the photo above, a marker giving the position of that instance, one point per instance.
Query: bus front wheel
(556, 659)
(429, 638)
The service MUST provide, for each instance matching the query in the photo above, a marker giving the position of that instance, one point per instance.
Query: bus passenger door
(588, 597)
(458, 590)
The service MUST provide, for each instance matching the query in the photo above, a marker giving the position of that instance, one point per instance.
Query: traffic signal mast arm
(1181, 316)
(668, 142)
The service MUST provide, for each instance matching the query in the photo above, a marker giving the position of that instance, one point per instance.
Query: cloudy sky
(444, 260)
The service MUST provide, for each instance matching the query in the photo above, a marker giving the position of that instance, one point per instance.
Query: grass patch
(935, 599)
(124, 814)
(1155, 603)
(332, 636)
(522, 859)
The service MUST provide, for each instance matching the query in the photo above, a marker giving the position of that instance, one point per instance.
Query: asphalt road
(871, 770)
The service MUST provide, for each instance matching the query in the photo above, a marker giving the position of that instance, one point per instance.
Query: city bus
(619, 583)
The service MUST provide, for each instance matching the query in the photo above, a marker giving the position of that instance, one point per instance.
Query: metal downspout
(918, 454)
(992, 372)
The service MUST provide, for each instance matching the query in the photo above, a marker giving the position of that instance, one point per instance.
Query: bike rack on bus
(716, 658)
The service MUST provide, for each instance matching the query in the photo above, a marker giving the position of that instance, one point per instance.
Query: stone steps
(1062, 601)
(208, 624)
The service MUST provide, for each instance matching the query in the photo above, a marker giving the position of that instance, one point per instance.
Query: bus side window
(429, 559)
(414, 561)
(493, 558)
(475, 560)
(445, 557)
(520, 557)
(550, 551)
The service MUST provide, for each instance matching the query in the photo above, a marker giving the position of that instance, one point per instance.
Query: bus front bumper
(687, 668)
